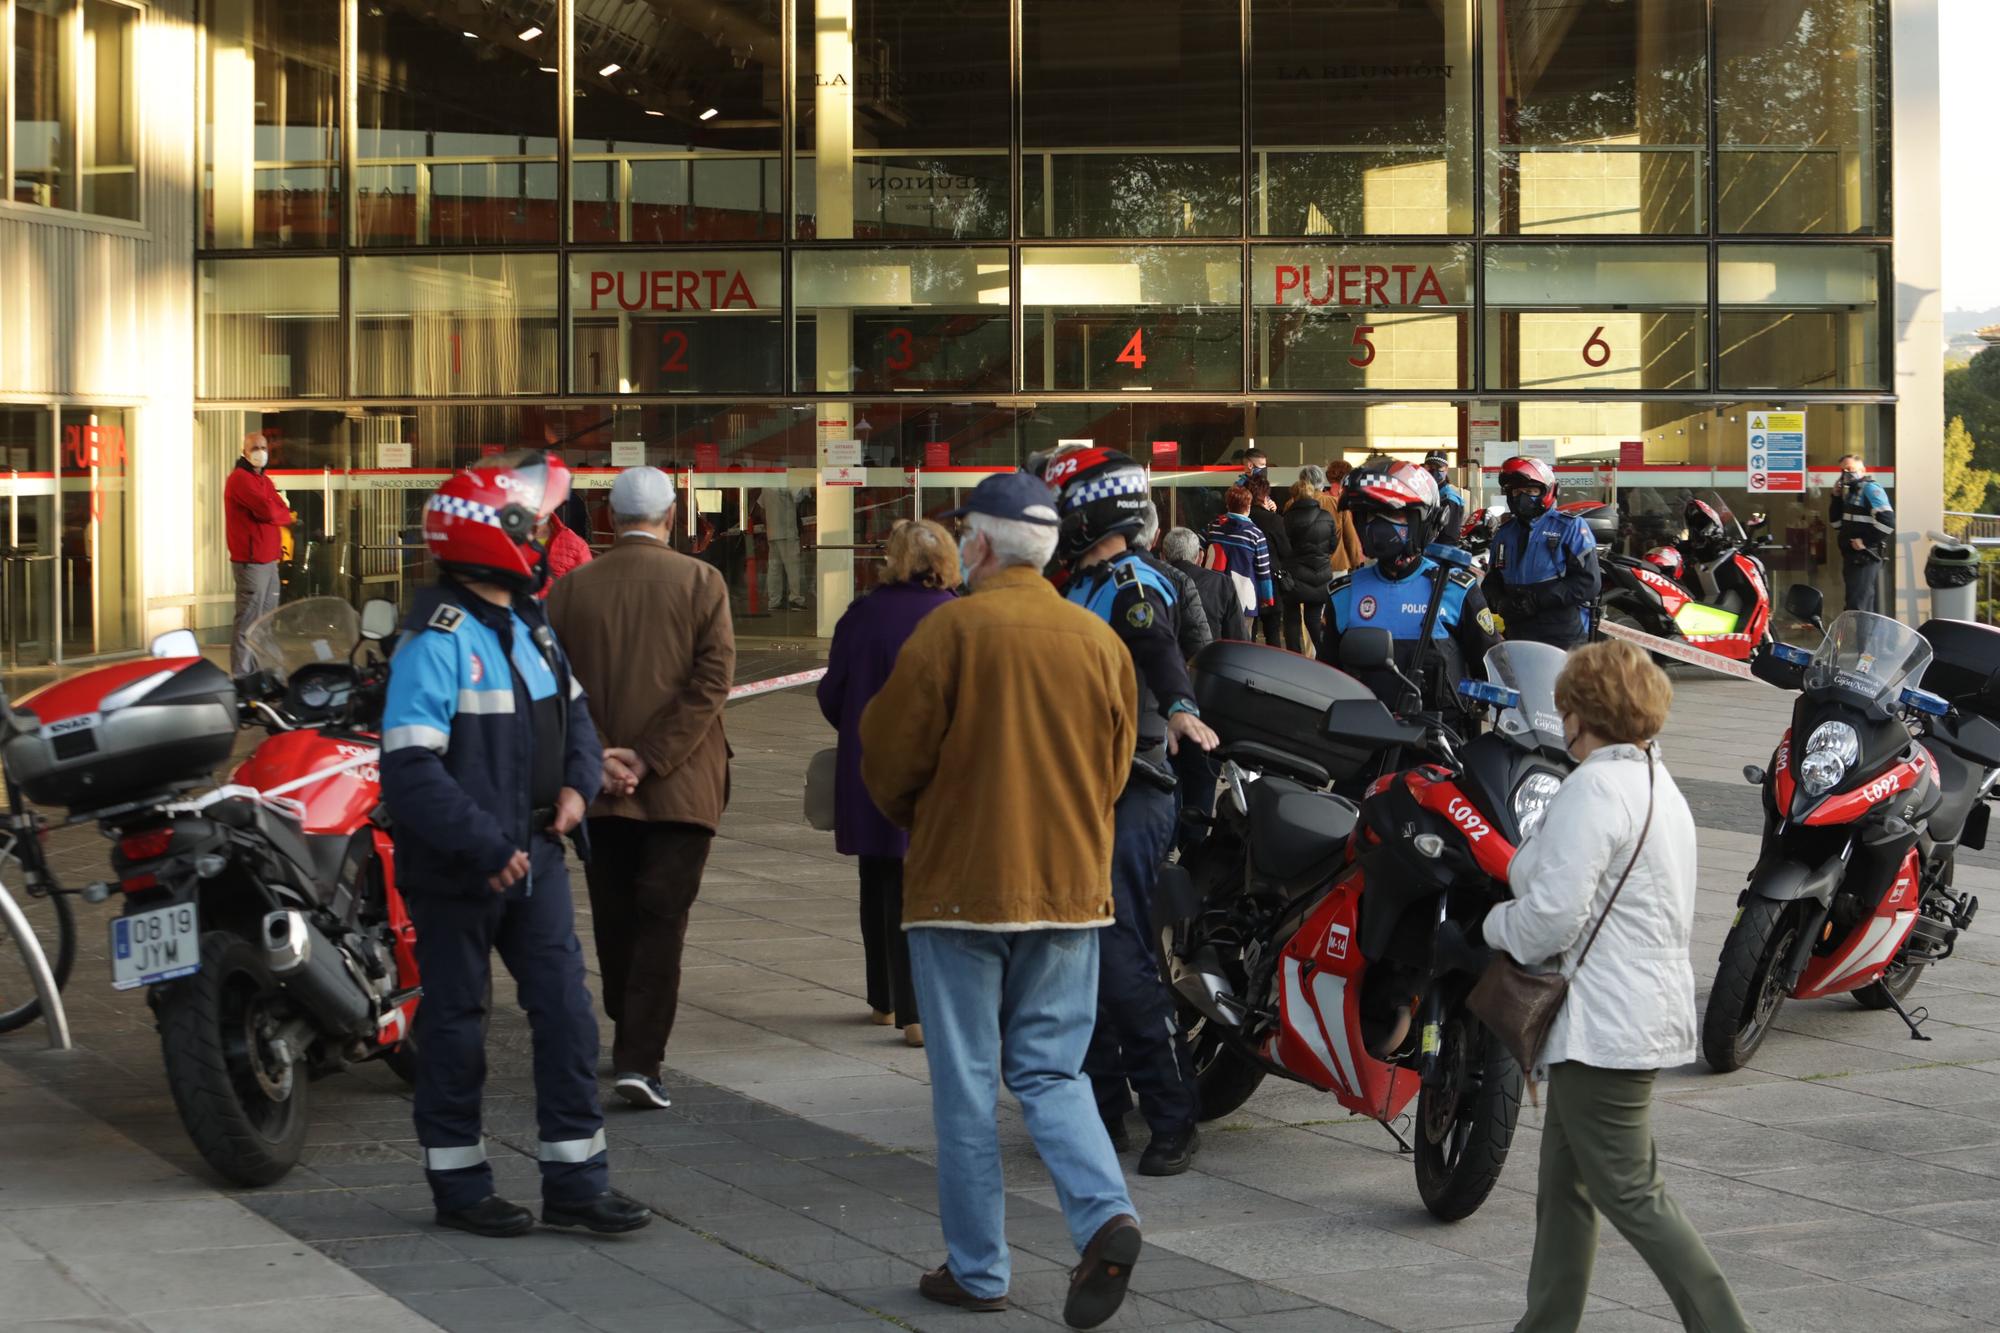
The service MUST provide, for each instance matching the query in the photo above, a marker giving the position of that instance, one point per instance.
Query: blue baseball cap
(1015, 495)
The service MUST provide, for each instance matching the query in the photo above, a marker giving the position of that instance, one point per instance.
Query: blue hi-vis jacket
(1142, 606)
(1862, 511)
(1550, 569)
(1366, 598)
(458, 737)
(1451, 514)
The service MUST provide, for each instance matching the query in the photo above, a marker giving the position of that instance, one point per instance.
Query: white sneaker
(644, 1093)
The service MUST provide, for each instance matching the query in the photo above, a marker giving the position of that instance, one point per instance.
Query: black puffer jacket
(1310, 534)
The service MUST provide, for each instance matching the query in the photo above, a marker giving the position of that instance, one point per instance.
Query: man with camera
(1865, 526)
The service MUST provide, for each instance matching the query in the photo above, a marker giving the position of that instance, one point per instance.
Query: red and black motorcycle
(1300, 934)
(1869, 796)
(263, 914)
(1708, 589)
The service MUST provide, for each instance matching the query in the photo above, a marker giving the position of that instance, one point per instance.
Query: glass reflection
(1132, 318)
(1598, 116)
(41, 86)
(1131, 118)
(1362, 317)
(272, 141)
(108, 110)
(1799, 317)
(677, 322)
(456, 140)
(270, 328)
(1596, 317)
(449, 325)
(677, 121)
(911, 319)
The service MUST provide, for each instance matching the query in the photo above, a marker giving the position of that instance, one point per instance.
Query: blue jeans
(1016, 1006)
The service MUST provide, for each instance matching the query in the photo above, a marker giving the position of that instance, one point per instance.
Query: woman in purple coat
(922, 571)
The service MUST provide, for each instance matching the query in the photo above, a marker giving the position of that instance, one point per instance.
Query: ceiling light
(529, 34)
(651, 112)
(710, 114)
(609, 70)
(473, 35)
(548, 69)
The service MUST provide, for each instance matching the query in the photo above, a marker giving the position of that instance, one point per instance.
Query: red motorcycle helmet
(1705, 534)
(1667, 559)
(1404, 493)
(1519, 475)
(480, 524)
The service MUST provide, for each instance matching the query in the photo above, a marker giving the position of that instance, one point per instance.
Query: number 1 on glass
(1134, 354)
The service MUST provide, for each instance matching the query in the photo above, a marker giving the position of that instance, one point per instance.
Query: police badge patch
(447, 618)
(1366, 609)
(1486, 621)
(1139, 616)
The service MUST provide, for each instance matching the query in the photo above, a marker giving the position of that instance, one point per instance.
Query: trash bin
(1950, 573)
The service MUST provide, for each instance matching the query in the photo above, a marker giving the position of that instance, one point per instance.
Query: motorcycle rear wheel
(1748, 989)
(1224, 1077)
(245, 1110)
(1465, 1123)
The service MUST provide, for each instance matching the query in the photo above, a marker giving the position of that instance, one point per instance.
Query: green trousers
(1598, 1156)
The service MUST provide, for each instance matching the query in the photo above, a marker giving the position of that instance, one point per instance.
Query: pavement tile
(39, 1289)
(335, 1314)
(141, 1283)
(674, 1316)
(1276, 1250)
(809, 1309)
(1426, 1296)
(415, 1279)
(1819, 1309)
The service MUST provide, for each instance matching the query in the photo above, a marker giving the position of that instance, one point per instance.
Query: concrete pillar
(833, 182)
(232, 90)
(1919, 309)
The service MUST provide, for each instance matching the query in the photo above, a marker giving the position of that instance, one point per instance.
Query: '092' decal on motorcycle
(1461, 812)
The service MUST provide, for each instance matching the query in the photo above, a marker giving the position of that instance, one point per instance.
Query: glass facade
(69, 120)
(868, 249)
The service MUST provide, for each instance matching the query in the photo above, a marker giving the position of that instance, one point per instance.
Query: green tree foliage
(1972, 394)
(1967, 488)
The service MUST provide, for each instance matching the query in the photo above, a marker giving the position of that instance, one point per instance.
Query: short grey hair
(1015, 541)
(1314, 476)
(1149, 524)
(1181, 544)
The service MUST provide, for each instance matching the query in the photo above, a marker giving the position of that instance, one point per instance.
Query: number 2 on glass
(903, 355)
(676, 343)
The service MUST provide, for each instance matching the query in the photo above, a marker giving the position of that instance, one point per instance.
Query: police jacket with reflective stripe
(1142, 607)
(458, 738)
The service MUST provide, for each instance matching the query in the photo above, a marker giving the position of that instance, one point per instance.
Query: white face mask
(966, 563)
(259, 457)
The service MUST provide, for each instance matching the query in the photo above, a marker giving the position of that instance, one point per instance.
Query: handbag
(1519, 1006)
(822, 773)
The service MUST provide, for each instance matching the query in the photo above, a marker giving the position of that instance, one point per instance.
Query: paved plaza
(1850, 1180)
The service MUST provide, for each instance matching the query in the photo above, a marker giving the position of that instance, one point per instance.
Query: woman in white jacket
(1630, 1010)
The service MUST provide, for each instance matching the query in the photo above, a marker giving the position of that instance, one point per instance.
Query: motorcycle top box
(121, 732)
(1965, 665)
(1270, 697)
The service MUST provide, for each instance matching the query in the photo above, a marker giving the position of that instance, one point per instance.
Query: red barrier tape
(756, 687)
(1679, 651)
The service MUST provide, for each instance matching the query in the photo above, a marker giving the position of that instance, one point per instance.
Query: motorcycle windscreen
(301, 633)
(1696, 620)
(1530, 669)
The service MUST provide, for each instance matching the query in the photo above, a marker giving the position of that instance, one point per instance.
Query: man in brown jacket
(1001, 741)
(648, 634)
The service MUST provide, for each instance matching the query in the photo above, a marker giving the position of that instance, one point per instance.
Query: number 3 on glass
(1365, 347)
(1134, 354)
(902, 354)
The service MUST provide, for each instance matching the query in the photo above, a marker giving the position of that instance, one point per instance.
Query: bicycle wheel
(54, 926)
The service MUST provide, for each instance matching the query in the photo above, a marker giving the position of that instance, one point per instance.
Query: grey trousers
(256, 596)
(1863, 580)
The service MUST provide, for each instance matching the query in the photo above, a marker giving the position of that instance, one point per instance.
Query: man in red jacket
(255, 518)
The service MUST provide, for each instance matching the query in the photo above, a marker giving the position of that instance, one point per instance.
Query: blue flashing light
(1789, 653)
(1487, 693)
(1926, 702)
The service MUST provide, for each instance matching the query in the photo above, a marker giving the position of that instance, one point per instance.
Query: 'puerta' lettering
(673, 289)
(1358, 285)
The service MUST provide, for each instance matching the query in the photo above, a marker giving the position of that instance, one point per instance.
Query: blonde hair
(1616, 691)
(1302, 490)
(921, 551)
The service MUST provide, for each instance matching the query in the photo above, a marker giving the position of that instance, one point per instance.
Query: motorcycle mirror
(175, 643)
(1367, 649)
(378, 619)
(1804, 602)
(1753, 775)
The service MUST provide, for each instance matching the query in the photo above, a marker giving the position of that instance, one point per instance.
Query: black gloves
(1455, 951)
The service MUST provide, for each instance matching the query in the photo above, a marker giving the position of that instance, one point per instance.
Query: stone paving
(1849, 1180)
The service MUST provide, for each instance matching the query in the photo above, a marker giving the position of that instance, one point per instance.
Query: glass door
(28, 557)
(97, 583)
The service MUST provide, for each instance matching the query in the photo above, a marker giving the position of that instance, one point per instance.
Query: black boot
(1171, 1153)
(491, 1216)
(607, 1214)
(1121, 1137)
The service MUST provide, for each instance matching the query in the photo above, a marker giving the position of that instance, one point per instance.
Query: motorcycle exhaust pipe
(1202, 985)
(314, 972)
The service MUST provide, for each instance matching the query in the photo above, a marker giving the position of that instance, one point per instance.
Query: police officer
(1451, 516)
(1102, 504)
(1543, 579)
(1865, 526)
(488, 758)
(1396, 510)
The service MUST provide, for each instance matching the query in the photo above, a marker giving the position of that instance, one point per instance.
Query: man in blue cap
(1001, 741)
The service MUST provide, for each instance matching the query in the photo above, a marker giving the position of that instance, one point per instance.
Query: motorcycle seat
(1959, 782)
(1297, 834)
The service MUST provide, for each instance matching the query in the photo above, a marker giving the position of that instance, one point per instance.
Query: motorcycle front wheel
(1749, 983)
(1465, 1120)
(241, 1099)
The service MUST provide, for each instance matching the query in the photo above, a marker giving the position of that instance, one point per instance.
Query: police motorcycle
(1299, 937)
(1889, 766)
(1709, 589)
(261, 915)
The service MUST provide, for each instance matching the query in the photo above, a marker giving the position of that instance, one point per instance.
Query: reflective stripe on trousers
(455, 1159)
(571, 1150)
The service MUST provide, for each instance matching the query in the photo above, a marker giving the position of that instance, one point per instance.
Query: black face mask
(1524, 505)
(1384, 540)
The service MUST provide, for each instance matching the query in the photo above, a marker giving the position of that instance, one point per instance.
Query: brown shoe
(1097, 1285)
(940, 1286)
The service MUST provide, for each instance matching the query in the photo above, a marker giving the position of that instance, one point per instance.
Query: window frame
(73, 215)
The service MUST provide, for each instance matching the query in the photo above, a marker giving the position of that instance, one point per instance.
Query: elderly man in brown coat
(649, 637)
(1001, 741)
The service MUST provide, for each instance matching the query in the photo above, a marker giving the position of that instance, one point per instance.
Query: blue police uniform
(1451, 514)
(482, 727)
(1544, 579)
(1367, 598)
(1861, 512)
(1136, 1040)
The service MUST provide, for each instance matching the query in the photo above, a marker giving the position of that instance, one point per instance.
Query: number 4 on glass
(1134, 354)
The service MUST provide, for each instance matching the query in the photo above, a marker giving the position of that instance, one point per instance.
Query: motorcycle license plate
(155, 946)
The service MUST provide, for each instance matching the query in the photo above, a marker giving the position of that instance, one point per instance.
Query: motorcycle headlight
(1531, 801)
(1832, 749)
